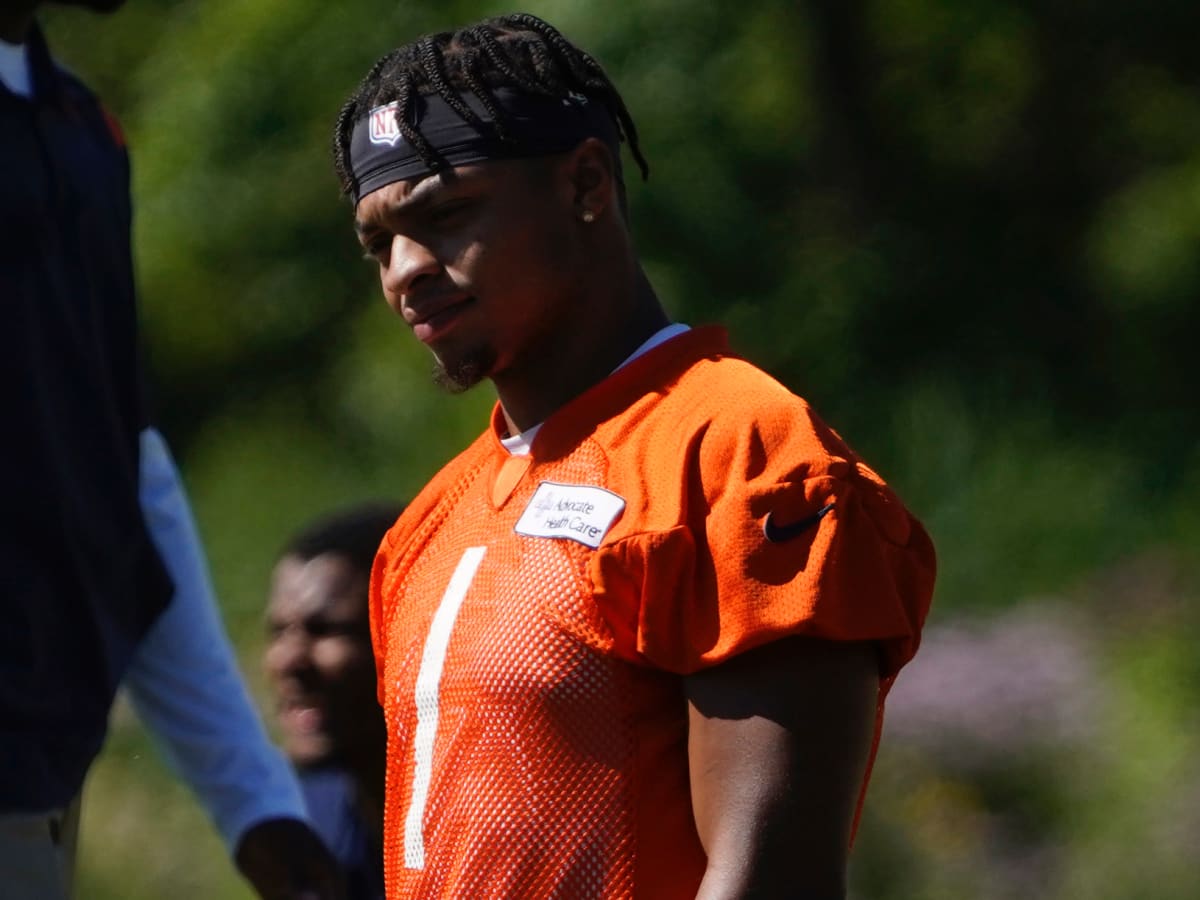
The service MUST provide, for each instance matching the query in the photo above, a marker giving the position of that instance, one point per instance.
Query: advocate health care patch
(576, 512)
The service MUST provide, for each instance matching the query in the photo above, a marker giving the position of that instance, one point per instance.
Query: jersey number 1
(429, 676)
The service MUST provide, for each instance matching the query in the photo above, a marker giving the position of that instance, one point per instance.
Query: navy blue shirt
(329, 796)
(80, 581)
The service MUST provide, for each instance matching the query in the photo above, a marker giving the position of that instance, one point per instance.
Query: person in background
(105, 583)
(635, 640)
(321, 669)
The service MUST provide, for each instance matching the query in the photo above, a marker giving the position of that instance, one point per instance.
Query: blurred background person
(105, 581)
(322, 671)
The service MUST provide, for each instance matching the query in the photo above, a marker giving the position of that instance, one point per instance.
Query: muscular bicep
(778, 743)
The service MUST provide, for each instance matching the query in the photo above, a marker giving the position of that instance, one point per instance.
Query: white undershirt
(14, 69)
(519, 444)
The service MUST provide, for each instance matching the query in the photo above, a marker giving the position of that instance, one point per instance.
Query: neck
(531, 393)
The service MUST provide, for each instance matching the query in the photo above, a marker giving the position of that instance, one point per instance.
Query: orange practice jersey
(533, 616)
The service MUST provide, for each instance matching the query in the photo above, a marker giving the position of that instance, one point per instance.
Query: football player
(634, 641)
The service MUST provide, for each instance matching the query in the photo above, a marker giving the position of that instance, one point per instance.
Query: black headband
(536, 125)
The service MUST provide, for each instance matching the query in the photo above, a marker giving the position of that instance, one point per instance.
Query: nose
(409, 262)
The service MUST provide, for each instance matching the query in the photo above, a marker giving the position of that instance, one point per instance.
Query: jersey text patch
(577, 512)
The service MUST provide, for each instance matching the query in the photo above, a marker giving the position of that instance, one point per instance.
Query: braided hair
(515, 51)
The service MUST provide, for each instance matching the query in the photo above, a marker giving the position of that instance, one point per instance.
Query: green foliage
(1046, 751)
(967, 230)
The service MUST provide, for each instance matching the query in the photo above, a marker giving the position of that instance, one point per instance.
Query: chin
(309, 753)
(459, 375)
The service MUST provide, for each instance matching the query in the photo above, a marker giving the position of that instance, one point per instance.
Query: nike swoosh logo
(778, 534)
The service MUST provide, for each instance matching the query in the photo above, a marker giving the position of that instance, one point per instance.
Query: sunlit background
(967, 230)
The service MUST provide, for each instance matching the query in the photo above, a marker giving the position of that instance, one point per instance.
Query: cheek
(544, 259)
(466, 260)
(393, 301)
(272, 661)
(498, 251)
(342, 660)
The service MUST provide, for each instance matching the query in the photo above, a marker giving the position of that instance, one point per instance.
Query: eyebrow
(423, 193)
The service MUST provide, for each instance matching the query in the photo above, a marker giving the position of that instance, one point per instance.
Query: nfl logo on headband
(383, 128)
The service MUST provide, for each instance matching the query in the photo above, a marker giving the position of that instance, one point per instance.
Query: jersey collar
(649, 372)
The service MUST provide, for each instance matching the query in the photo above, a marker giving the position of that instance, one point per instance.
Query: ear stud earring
(588, 216)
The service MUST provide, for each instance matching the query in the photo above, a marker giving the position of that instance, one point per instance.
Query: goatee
(463, 374)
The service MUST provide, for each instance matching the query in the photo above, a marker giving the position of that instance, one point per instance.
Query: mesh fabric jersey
(531, 676)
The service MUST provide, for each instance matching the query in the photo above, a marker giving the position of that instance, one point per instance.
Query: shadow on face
(319, 659)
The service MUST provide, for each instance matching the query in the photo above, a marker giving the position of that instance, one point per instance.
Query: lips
(301, 717)
(431, 319)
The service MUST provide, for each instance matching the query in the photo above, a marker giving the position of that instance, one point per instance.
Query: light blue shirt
(184, 680)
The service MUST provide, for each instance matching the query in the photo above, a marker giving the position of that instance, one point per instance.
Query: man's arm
(185, 685)
(778, 741)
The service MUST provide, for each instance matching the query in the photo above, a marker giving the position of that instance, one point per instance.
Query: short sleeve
(783, 532)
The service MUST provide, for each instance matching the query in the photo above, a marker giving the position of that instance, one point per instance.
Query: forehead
(328, 583)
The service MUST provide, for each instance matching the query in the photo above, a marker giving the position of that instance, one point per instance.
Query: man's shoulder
(53, 74)
(74, 87)
(715, 384)
(718, 398)
(464, 466)
(723, 423)
(70, 94)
